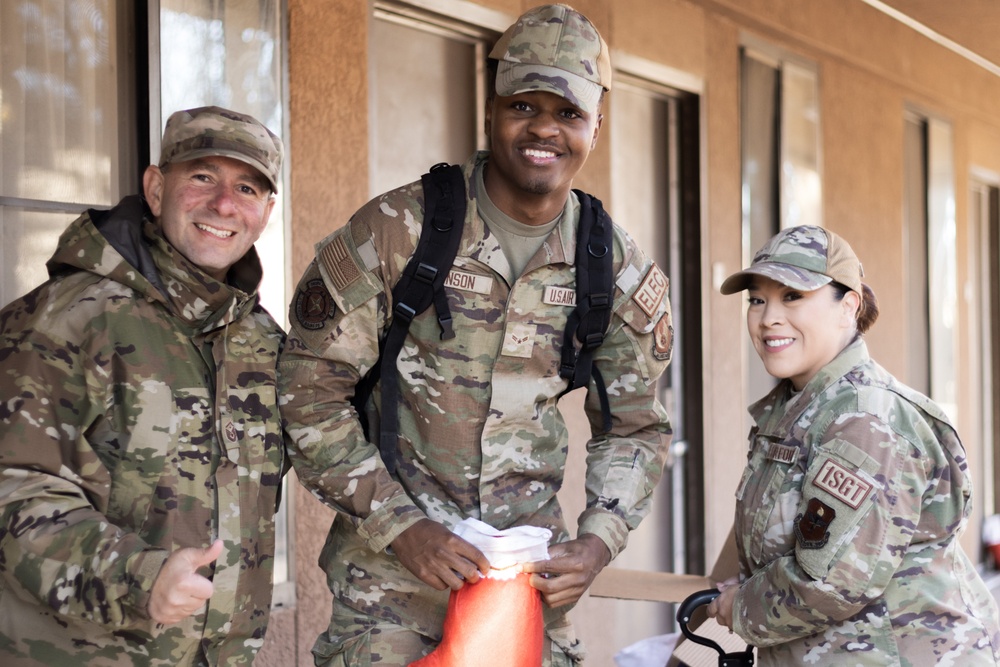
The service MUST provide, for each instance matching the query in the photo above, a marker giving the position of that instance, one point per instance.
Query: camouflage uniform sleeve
(56, 544)
(335, 318)
(624, 466)
(856, 519)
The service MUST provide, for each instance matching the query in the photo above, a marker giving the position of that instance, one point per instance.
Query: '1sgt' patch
(314, 305)
(842, 484)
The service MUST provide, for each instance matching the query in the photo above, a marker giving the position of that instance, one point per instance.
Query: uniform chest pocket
(251, 429)
(768, 497)
(164, 436)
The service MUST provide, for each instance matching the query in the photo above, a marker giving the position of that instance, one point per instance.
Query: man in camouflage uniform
(851, 506)
(141, 449)
(480, 434)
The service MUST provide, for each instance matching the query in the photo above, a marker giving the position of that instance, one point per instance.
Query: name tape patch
(782, 453)
(469, 282)
(559, 296)
(842, 484)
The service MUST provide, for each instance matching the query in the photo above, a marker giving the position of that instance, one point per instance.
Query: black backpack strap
(421, 283)
(589, 321)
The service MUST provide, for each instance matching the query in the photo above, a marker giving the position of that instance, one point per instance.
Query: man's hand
(439, 557)
(570, 570)
(179, 590)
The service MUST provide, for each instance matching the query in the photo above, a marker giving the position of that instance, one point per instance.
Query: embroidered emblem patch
(559, 296)
(812, 526)
(651, 292)
(339, 263)
(314, 305)
(230, 431)
(663, 339)
(469, 282)
(842, 484)
(519, 340)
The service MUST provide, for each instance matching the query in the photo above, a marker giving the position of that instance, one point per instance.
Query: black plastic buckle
(404, 312)
(425, 273)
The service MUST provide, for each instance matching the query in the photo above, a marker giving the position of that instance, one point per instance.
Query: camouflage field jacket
(480, 433)
(847, 524)
(138, 415)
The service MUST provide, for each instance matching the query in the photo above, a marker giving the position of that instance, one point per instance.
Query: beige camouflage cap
(803, 258)
(204, 131)
(555, 49)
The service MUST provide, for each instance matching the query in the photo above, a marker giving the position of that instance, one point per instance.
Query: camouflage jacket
(847, 525)
(138, 415)
(480, 433)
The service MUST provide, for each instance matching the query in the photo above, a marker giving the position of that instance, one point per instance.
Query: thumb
(202, 557)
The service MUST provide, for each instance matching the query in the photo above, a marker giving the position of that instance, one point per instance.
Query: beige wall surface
(871, 70)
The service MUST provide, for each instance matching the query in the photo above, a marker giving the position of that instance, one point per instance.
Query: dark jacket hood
(125, 244)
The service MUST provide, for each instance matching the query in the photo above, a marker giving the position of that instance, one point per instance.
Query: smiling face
(211, 209)
(796, 333)
(539, 142)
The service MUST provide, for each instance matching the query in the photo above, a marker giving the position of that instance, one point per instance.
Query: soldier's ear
(597, 130)
(488, 118)
(152, 188)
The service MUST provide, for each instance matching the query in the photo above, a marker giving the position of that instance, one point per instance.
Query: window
(780, 152)
(930, 259)
(67, 129)
(428, 93)
(985, 257)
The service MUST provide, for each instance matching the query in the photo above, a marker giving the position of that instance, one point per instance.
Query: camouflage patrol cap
(803, 258)
(555, 49)
(205, 131)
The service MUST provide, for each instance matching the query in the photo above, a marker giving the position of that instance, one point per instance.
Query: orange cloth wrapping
(495, 622)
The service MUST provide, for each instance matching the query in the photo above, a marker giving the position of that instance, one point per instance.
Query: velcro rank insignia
(812, 527)
(842, 484)
(314, 305)
(650, 294)
(340, 265)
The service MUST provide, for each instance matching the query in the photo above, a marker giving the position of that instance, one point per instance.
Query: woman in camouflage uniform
(856, 490)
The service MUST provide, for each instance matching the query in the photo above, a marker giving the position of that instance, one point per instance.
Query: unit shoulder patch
(663, 338)
(314, 305)
(812, 527)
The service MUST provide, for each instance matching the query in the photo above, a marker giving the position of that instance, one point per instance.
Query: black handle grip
(687, 608)
(684, 611)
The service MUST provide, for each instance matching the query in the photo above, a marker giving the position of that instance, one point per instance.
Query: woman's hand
(721, 608)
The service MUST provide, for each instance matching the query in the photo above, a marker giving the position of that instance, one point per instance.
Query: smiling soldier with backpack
(454, 312)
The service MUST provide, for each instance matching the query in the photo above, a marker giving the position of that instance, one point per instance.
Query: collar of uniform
(763, 411)
(562, 240)
(193, 296)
